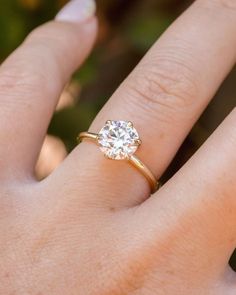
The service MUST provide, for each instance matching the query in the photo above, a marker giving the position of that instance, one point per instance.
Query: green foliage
(143, 32)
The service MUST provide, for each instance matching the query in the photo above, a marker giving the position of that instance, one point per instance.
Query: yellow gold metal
(130, 124)
(134, 160)
(138, 142)
(87, 135)
(106, 156)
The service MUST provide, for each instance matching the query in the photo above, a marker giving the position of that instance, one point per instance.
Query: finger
(31, 81)
(163, 97)
(197, 207)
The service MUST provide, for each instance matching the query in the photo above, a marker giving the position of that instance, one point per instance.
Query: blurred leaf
(67, 123)
(30, 4)
(87, 72)
(144, 31)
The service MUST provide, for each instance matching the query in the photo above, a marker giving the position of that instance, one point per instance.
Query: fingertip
(77, 11)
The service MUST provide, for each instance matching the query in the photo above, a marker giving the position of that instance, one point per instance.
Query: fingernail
(77, 11)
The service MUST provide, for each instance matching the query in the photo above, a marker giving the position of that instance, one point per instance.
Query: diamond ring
(119, 140)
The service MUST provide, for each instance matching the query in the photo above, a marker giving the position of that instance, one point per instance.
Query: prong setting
(130, 124)
(118, 140)
(106, 156)
(138, 142)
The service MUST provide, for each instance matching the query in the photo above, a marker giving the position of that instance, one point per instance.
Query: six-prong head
(118, 140)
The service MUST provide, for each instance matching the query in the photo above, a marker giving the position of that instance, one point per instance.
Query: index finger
(31, 81)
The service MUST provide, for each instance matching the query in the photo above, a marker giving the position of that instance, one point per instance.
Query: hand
(91, 227)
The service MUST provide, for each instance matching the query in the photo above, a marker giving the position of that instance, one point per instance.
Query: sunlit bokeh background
(127, 29)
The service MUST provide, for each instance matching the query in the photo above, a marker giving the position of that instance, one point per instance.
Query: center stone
(118, 140)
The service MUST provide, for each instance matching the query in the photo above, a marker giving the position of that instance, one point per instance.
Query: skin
(91, 226)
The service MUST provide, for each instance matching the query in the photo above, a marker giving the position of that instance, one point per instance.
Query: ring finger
(163, 97)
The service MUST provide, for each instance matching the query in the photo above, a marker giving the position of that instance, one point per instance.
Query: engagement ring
(119, 140)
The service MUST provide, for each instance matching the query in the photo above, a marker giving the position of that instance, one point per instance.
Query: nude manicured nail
(77, 11)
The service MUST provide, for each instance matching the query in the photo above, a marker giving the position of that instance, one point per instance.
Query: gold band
(134, 160)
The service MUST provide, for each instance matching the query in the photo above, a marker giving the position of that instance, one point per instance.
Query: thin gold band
(134, 160)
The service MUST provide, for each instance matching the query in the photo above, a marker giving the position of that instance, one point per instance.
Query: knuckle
(26, 70)
(161, 87)
(19, 80)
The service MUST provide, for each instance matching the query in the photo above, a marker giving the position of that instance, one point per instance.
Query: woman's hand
(90, 227)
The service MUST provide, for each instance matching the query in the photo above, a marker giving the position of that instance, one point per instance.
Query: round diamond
(118, 139)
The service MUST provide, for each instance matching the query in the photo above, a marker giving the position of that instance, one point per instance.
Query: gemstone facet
(118, 140)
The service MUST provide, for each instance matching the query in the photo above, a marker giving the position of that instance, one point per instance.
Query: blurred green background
(127, 29)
